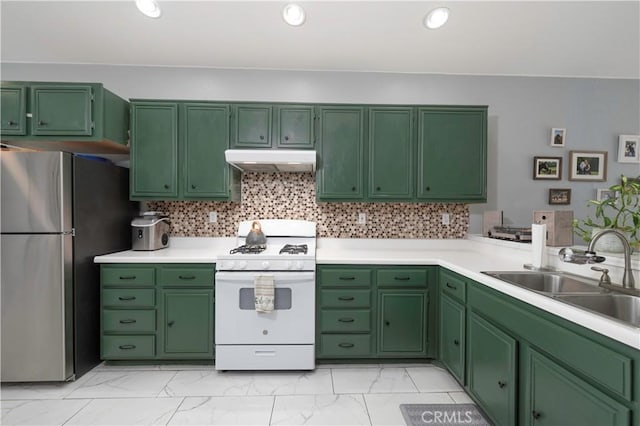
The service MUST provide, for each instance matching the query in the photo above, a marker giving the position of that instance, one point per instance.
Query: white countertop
(467, 257)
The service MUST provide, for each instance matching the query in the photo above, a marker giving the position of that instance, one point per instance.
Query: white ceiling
(537, 38)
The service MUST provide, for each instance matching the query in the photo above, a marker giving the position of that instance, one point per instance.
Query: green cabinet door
(205, 136)
(295, 126)
(391, 153)
(339, 175)
(13, 109)
(252, 126)
(557, 397)
(402, 323)
(61, 110)
(185, 323)
(452, 336)
(452, 153)
(491, 379)
(154, 150)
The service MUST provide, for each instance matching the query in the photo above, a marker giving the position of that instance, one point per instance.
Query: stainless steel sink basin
(617, 306)
(548, 282)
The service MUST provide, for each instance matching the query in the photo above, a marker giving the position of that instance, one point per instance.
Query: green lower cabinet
(185, 323)
(402, 323)
(557, 397)
(452, 336)
(491, 358)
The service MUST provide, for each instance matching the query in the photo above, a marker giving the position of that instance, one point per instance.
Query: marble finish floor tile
(229, 410)
(372, 380)
(320, 410)
(461, 398)
(42, 390)
(121, 384)
(384, 409)
(127, 411)
(433, 379)
(40, 412)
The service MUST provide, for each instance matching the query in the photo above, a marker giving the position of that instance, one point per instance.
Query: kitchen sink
(621, 307)
(548, 282)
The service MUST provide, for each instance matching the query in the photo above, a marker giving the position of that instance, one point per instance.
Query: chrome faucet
(627, 278)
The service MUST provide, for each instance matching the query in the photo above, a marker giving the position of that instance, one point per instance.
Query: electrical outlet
(213, 217)
(362, 218)
(445, 218)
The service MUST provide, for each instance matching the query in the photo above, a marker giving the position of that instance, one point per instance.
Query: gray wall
(522, 111)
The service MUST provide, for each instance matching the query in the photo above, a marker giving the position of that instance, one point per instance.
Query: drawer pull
(127, 298)
(170, 323)
(346, 319)
(127, 347)
(501, 384)
(345, 345)
(402, 278)
(127, 277)
(453, 287)
(349, 278)
(187, 277)
(345, 298)
(127, 321)
(536, 415)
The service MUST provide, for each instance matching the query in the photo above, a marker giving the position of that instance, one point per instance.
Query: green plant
(621, 212)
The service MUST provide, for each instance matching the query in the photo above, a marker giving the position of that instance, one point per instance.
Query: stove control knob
(242, 264)
(265, 265)
(299, 265)
(229, 265)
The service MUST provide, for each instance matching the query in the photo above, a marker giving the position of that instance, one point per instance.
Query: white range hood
(271, 160)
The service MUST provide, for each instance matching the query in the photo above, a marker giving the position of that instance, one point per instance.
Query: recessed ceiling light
(293, 14)
(436, 18)
(149, 7)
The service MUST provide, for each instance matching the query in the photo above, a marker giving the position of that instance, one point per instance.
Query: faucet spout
(627, 278)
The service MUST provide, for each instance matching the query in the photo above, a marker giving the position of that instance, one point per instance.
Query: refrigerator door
(37, 316)
(36, 192)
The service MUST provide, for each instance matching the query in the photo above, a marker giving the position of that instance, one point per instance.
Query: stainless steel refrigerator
(58, 211)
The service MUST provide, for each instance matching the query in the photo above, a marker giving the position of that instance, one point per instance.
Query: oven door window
(282, 299)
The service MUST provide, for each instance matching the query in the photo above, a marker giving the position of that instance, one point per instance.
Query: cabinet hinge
(92, 97)
(93, 125)
(29, 115)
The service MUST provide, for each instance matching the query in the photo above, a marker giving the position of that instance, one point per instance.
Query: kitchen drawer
(128, 320)
(128, 297)
(402, 277)
(126, 276)
(345, 298)
(345, 277)
(128, 347)
(345, 321)
(345, 345)
(453, 285)
(186, 276)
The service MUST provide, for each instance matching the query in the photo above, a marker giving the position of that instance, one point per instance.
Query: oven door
(291, 322)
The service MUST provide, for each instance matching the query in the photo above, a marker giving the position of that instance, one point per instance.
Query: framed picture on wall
(559, 196)
(558, 137)
(604, 194)
(548, 168)
(588, 165)
(629, 149)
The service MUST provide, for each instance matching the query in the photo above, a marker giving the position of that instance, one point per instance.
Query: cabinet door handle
(261, 137)
(377, 188)
(428, 188)
(126, 298)
(456, 342)
(345, 298)
(453, 287)
(170, 323)
(345, 345)
(501, 384)
(353, 188)
(11, 123)
(42, 123)
(536, 415)
(127, 321)
(193, 186)
(387, 323)
(125, 347)
(402, 278)
(187, 277)
(345, 278)
(166, 186)
(345, 319)
(127, 277)
(286, 138)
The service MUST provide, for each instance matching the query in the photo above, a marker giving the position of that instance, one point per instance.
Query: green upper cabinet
(340, 148)
(294, 126)
(13, 109)
(154, 150)
(74, 117)
(177, 151)
(61, 110)
(205, 136)
(452, 154)
(391, 153)
(252, 126)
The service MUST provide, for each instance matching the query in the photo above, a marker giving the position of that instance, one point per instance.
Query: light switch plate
(362, 218)
(213, 217)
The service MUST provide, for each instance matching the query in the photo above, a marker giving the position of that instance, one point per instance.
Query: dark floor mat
(442, 415)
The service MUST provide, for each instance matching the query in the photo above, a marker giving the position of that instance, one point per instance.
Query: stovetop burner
(294, 249)
(246, 249)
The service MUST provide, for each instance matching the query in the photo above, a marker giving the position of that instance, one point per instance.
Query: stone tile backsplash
(293, 196)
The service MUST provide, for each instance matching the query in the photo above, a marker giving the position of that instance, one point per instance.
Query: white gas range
(282, 337)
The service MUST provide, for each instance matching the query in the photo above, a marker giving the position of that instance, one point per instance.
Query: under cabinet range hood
(271, 160)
